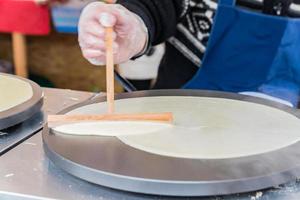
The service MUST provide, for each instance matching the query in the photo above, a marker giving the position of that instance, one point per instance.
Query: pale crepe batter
(204, 128)
(110, 128)
(13, 92)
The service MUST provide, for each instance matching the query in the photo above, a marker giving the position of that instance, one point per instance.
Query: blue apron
(250, 51)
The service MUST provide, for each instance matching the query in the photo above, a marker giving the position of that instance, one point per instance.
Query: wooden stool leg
(19, 53)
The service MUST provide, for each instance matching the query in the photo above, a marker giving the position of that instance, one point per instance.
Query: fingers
(107, 19)
(92, 41)
(128, 34)
(97, 56)
(95, 43)
(91, 32)
(89, 53)
(97, 61)
(95, 29)
(124, 21)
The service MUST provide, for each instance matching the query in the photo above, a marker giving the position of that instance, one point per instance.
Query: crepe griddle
(24, 111)
(107, 161)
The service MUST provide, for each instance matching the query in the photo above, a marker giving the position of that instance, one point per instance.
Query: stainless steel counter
(26, 173)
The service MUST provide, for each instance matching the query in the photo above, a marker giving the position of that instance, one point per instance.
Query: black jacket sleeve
(160, 16)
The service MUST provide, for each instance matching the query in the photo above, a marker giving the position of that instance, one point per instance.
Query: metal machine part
(23, 111)
(14, 135)
(109, 162)
(294, 9)
(124, 82)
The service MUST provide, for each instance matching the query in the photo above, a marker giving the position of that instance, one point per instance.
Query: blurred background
(40, 36)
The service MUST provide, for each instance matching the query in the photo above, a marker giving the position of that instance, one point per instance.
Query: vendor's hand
(130, 34)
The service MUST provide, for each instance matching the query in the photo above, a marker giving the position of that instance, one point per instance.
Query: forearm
(160, 16)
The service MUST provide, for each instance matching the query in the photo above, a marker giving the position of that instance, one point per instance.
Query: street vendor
(214, 46)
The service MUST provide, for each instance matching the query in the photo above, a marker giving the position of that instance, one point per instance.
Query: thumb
(107, 20)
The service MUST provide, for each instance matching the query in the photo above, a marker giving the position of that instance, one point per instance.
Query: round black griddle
(24, 111)
(108, 162)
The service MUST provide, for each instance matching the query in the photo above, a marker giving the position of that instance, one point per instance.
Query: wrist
(144, 42)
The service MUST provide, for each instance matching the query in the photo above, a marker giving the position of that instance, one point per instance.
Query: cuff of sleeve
(147, 44)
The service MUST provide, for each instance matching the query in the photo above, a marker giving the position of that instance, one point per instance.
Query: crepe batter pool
(13, 92)
(204, 128)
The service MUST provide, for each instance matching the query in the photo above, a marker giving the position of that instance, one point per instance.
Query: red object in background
(24, 16)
